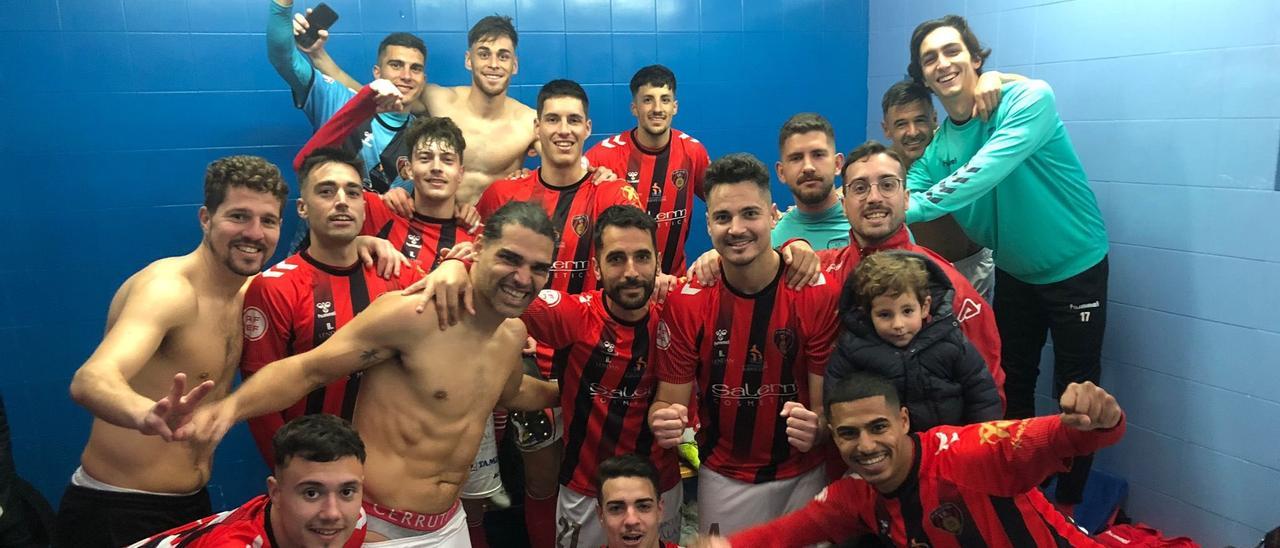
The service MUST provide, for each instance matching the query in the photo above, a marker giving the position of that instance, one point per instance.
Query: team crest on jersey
(663, 337)
(580, 224)
(949, 518)
(255, 323)
(633, 177)
(549, 296)
(629, 194)
(680, 177)
(785, 340)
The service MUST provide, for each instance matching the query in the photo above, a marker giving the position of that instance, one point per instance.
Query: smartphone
(321, 18)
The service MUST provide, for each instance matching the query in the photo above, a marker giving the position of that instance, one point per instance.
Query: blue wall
(114, 107)
(1173, 110)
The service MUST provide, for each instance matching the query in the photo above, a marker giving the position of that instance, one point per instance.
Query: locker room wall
(114, 108)
(1173, 112)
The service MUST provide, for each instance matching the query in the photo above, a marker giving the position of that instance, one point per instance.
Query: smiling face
(243, 231)
(509, 271)
(873, 440)
(436, 170)
(332, 202)
(738, 221)
(910, 128)
(405, 67)
(627, 266)
(630, 511)
(316, 504)
(654, 107)
(492, 62)
(878, 213)
(562, 127)
(808, 166)
(947, 65)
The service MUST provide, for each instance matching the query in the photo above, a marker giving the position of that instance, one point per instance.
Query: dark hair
(321, 156)
(404, 40)
(866, 150)
(439, 129)
(251, 172)
(526, 214)
(804, 123)
(563, 88)
(889, 274)
(653, 75)
(629, 465)
(904, 93)
(318, 438)
(623, 216)
(493, 26)
(976, 51)
(858, 385)
(736, 168)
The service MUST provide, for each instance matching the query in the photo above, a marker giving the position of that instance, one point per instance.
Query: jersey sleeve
(355, 112)
(1026, 126)
(555, 318)
(490, 200)
(677, 338)
(818, 315)
(832, 516)
(1008, 457)
(376, 215)
(290, 63)
(599, 156)
(268, 329)
(698, 156)
(977, 321)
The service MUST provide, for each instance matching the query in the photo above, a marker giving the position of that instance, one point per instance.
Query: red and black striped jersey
(666, 181)
(749, 354)
(291, 308)
(420, 238)
(606, 386)
(973, 485)
(573, 210)
(248, 525)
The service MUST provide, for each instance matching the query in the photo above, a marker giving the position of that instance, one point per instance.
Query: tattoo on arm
(370, 357)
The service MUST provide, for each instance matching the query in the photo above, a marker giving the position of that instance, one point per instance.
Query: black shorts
(89, 518)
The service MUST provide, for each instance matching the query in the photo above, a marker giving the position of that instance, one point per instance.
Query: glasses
(888, 186)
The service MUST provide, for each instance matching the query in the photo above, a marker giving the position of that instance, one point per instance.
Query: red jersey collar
(898, 240)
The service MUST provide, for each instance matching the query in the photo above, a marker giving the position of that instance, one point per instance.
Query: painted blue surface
(135, 97)
(1173, 114)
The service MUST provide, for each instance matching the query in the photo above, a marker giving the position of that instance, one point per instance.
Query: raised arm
(326, 65)
(153, 307)
(287, 60)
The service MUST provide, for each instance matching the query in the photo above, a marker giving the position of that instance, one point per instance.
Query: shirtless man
(425, 395)
(178, 317)
(498, 129)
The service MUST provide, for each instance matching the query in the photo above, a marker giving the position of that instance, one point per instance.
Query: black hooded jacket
(941, 378)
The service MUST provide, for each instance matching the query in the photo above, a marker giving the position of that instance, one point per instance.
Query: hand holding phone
(320, 18)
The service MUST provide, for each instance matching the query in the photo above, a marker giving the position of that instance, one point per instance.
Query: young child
(897, 322)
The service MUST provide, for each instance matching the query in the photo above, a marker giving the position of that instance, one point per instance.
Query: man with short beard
(178, 318)
(607, 384)
(808, 165)
(664, 165)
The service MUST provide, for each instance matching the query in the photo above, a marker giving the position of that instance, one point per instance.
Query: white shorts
(578, 520)
(980, 270)
(537, 429)
(452, 535)
(737, 505)
(485, 478)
